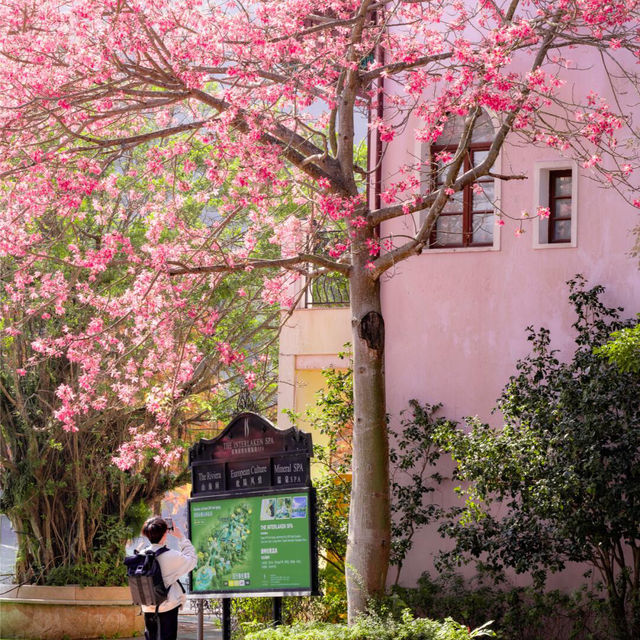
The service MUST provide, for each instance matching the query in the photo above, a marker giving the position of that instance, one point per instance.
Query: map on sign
(252, 543)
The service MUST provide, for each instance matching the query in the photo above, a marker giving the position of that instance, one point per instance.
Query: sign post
(252, 514)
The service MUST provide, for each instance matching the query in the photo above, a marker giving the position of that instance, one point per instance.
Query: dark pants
(164, 626)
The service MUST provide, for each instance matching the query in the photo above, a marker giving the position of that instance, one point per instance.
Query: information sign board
(249, 474)
(254, 544)
(290, 471)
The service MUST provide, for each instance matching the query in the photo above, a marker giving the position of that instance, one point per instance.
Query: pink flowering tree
(105, 102)
(65, 409)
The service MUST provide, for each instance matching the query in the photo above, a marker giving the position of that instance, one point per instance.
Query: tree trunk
(369, 515)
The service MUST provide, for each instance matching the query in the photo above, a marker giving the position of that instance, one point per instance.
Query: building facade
(455, 316)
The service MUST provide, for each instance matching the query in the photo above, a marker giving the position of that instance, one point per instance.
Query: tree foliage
(623, 349)
(61, 489)
(71, 508)
(565, 467)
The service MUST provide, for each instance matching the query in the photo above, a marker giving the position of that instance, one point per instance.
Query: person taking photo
(163, 623)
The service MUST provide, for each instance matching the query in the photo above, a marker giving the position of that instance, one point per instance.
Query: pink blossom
(250, 379)
(373, 246)
(222, 150)
(592, 161)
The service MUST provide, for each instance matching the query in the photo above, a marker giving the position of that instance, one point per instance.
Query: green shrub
(519, 613)
(559, 482)
(107, 568)
(374, 627)
(94, 574)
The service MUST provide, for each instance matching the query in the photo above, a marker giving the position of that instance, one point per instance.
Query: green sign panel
(250, 544)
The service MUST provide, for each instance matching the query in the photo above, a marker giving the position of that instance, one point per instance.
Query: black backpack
(145, 578)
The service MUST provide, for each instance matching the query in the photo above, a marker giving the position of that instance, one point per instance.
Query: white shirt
(173, 564)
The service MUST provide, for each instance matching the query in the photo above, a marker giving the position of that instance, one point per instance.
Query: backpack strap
(156, 553)
(150, 553)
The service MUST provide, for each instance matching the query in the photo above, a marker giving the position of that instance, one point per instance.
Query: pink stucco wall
(455, 320)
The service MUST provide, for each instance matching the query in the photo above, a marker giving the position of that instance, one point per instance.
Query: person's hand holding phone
(173, 530)
(176, 533)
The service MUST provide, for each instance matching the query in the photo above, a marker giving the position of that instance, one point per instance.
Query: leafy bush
(519, 613)
(623, 349)
(564, 468)
(107, 568)
(374, 627)
(94, 574)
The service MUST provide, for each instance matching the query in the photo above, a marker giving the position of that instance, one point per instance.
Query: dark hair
(154, 528)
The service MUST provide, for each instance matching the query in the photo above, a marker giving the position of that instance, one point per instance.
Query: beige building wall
(309, 342)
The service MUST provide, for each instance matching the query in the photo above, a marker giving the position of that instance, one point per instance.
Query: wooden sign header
(249, 454)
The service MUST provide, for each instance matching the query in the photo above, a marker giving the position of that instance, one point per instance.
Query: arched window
(467, 219)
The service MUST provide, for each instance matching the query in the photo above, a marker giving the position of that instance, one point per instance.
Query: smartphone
(169, 522)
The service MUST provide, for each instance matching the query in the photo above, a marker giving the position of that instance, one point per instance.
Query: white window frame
(541, 199)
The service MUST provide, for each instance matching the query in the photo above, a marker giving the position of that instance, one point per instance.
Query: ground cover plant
(518, 613)
(374, 627)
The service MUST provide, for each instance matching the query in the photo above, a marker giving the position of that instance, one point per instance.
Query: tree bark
(369, 515)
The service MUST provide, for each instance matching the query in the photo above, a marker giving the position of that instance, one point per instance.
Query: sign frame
(313, 545)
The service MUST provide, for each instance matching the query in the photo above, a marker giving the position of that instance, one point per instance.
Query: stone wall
(73, 612)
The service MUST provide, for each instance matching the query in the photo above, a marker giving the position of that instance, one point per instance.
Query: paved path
(188, 629)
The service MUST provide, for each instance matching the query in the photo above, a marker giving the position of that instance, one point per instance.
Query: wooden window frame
(553, 216)
(467, 200)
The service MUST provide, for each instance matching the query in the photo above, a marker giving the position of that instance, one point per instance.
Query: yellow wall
(309, 342)
(308, 383)
(316, 331)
